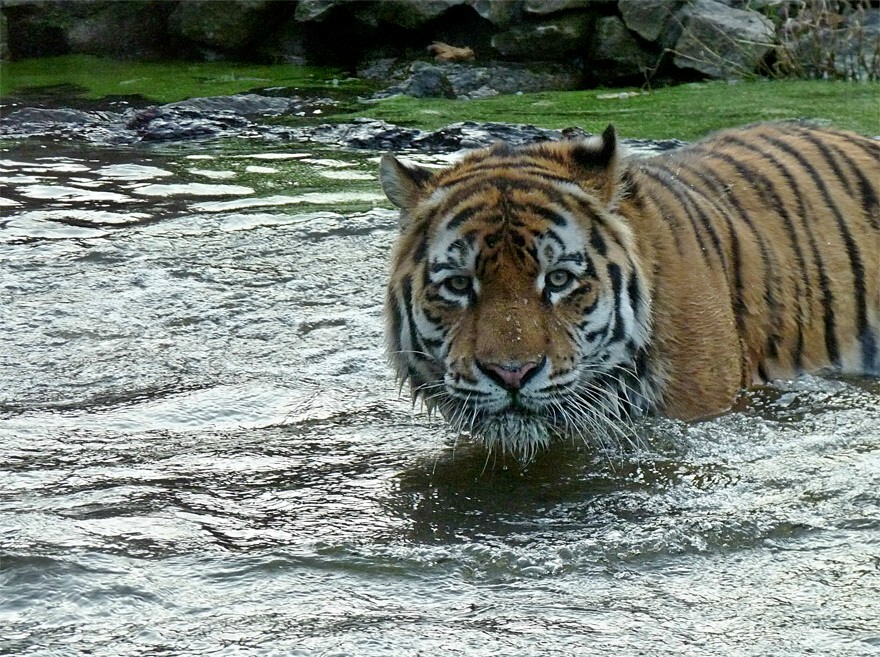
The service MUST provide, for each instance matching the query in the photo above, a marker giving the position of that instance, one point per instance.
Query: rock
(552, 38)
(46, 116)
(848, 50)
(720, 41)
(130, 29)
(648, 18)
(363, 133)
(313, 10)
(428, 81)
(35, 30)
(180, 123)
(470, 134)
(168, 124)
(241, 104)
(222, 24)
(541, 7)
(4, 39)
(404, 13)
(467, 81)
(499, 14)
(381, 69)
(617, 53)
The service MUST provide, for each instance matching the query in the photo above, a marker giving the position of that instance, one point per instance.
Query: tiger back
(562, 289)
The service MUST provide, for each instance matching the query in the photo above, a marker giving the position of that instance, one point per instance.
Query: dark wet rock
(63, 124)
(175, 124)
(469, 81)
(470, 134)
(381, 136)
(169, 123)
(426, 81)
(364, 133)
(48, 116)
(245, 105)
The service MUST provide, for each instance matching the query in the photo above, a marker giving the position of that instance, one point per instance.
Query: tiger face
(556, 289)
(515, 307)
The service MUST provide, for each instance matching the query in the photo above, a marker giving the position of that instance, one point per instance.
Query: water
(203, 452)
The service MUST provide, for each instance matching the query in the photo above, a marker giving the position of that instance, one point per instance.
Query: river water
(202, 451)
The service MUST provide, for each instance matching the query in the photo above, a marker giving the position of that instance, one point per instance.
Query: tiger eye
(557, 279)
(458, 284)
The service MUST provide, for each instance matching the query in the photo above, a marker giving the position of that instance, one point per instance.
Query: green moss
(162, 82)
(685, 111)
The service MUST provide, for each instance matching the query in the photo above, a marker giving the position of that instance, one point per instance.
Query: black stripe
(616, 276)
(870, 200)
(598, 242)
(406, 293)
(635, 294)
(682, 195)
(463, 215)
(542, 211)
(863, 332)
(771, 270)
(662, 210)
(768, 193)
(493, 171)
(421, 249)
(396, 321)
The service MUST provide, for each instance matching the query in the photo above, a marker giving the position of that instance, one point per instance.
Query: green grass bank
(686, 111)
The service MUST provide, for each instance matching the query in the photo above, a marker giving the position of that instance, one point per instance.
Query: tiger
(567, 288)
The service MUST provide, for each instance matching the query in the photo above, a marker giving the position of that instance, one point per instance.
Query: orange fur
(752, 255)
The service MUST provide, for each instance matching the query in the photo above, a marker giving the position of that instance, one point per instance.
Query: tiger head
(516, 304)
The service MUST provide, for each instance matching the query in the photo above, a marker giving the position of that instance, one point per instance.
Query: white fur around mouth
(516, 432)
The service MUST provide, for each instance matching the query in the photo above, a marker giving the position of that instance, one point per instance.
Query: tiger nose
(511, 376)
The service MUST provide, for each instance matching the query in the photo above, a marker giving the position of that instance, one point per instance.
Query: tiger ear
(597, 159)
(403, 184)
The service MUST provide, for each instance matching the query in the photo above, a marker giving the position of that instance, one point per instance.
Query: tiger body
(563, 289)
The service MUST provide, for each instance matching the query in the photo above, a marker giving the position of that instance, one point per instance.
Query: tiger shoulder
(562, 288)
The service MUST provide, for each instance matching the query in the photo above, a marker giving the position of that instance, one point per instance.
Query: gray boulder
(541, 7)
(500, 14)
(617, 53)
(121, 29)
(468, 81)
(548, 39)
(313, 10)
(721, 41)
(404, 13)
(221, 24)
(648, 18)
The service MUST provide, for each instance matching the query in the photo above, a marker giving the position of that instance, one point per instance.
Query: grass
(686, 111)
(161, 82)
